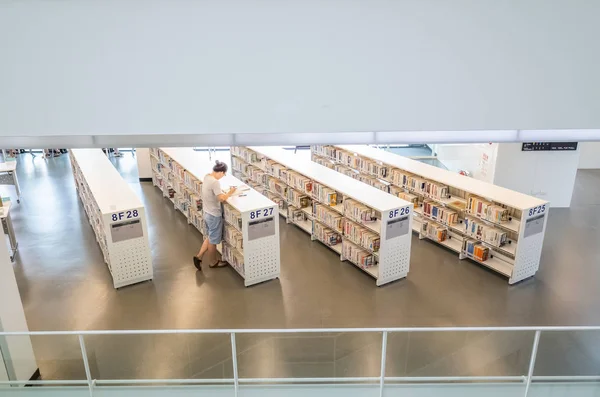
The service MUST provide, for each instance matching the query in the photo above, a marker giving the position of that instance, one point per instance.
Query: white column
(143, 161)
(590, 155)
(546, 175)
(20, 361)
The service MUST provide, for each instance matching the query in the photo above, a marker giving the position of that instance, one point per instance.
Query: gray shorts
(214, 226)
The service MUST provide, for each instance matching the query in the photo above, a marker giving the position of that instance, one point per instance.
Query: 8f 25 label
(540, 209)
(261, 213)
(399, 212)
(124, 215)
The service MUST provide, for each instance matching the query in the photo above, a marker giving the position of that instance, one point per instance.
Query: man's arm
(222, 197)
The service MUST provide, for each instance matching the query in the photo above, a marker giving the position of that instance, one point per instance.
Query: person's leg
(203, 249)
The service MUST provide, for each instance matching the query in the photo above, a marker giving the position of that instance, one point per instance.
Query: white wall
(590, 155)
(547, 175)
(17, 350)
(478, 158)
(143, 162)
(220, 66)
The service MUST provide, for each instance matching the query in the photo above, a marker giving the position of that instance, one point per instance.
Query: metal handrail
(236, 380)
(304, 330)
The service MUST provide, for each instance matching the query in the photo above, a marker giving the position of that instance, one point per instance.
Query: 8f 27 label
(117, 216)
(261, 213)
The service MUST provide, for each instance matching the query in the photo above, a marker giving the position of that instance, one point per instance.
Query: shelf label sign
(264, 227)
(534, 225)
(399, 212)
(118, 216)
(397, 227)
(540, 209)
(257, 214)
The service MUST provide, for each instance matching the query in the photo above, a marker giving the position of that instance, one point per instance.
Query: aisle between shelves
(250, 233)
(344, 224)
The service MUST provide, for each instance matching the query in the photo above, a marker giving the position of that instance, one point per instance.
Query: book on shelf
(436, 190)
(276, 186)
(359, 212)
(277, 200)
(234, 258)
(331, 218)
(399, 192)
(439, 212)
(487, 210)
(232, 216)
(325, 235)
(324, 162)
(417, 184)
(298, 199)
(434, 231)
(325, 195)
(233, 237)
(480, 231)
(401, 178)
(277, 170)
(476, 250)
(299, 182)
(361, 236)
(358, 256)
(297, 215)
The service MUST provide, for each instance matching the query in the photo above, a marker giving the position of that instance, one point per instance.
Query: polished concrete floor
(65, 285)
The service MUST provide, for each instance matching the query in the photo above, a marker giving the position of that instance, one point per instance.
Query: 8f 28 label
(261, 213)
(399, 212)
(124, 215)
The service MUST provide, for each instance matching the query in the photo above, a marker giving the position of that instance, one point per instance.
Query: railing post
(536, 342)
(86, 365)
(383, 356)
(234, 362)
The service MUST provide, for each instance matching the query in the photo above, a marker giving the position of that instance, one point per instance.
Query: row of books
(326, 151)
(357, 255)
(276, 186)
(325, 235)
(232, 216)
(277, 199)
(324, 162)
(439, 212)
(474, 249)
(277, 170)
(196, 219)
(297, 215)
(256, 175)
(359, 212)
(398, 192)
(479, 230)
(298, 199)
(361, 236)
(487, 210)
(234, 258)
(299, 182)
(250, 156)
(325, 194)
(233, 237)
(373, 168)
(331, 218)
(434, 231)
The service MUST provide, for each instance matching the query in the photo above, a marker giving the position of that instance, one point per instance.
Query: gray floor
(65, 285)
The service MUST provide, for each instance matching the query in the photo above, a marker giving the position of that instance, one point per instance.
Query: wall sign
(548, 146)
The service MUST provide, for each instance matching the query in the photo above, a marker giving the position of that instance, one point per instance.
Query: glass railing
(512, 361)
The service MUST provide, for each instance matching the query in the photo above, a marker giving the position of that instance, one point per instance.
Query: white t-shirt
(211, 188)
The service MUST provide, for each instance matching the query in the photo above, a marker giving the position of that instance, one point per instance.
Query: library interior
(258, 198)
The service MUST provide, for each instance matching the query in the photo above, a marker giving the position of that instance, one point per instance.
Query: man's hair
(220, 166)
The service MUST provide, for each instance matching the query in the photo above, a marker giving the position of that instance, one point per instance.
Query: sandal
(198, 263)
(218, 264)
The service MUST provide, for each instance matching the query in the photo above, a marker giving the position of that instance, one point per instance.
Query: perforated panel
(394, 255)
(528, 258)
(529, 252)
(261, 256)
(130, 261)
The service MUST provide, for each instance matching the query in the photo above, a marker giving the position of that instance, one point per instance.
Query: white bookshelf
(251, 228)
(320, 202)
(509, 226)
(116, 214)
